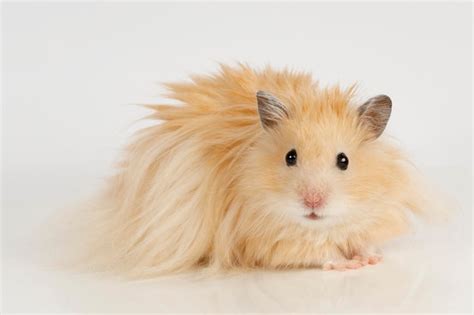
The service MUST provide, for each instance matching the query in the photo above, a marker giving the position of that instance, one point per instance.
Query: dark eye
(342, 161)
(291, 158)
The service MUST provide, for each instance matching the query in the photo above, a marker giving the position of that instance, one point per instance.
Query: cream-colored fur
(209, 186)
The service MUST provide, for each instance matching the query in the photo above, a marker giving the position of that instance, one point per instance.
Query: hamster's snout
(314, 199)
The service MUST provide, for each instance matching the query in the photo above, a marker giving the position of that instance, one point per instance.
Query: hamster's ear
(270, 109)
(374, 114)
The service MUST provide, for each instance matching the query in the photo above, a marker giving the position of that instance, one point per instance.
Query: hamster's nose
(313, 199)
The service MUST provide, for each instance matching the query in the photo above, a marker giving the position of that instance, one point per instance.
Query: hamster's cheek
(286, 208)
(283, 205)
(337, 207)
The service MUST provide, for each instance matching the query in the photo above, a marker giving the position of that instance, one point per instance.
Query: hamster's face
(320, 167)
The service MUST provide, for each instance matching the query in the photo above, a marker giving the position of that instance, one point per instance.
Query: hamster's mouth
(313, 216)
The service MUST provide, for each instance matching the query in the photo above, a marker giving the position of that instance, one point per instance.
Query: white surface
(71, 71)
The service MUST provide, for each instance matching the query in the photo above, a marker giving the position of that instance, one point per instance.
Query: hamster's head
(319, 160)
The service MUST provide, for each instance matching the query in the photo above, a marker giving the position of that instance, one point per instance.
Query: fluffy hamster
(255, 169)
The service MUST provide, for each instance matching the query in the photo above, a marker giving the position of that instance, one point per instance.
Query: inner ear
(270, 109)
(374, 114)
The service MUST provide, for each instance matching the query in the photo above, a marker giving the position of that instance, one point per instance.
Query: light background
(70, 73)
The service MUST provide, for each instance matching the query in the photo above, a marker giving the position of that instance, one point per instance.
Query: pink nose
(313, 199)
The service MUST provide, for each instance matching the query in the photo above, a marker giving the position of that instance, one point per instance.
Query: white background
(72, 72)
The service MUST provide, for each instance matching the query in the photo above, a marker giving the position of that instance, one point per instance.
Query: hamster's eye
(342, 161)
(291, 158)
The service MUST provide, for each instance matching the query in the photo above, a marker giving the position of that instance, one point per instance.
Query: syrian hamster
(255, 169)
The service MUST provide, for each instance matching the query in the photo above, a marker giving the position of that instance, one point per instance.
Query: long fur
(207, 186)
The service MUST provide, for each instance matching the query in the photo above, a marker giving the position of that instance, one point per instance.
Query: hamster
(255, 169)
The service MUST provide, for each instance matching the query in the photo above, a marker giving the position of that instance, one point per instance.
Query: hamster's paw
(368, 258)
(342, 264)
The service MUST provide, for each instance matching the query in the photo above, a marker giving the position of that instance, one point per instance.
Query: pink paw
(369, 259)
(342, 265)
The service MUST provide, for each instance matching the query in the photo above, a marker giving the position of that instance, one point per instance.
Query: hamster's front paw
(362, 258)
(342, 264)
(369, 257)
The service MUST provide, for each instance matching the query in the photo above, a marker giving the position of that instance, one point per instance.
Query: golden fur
(208, 186)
